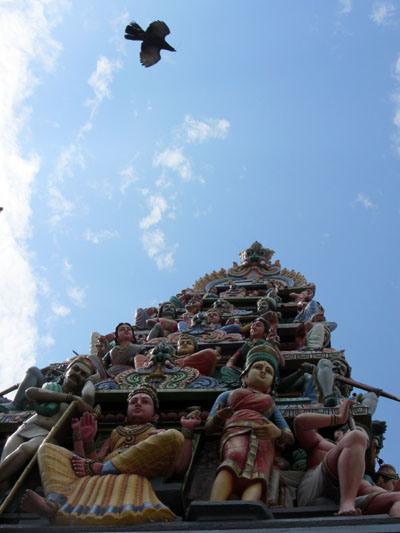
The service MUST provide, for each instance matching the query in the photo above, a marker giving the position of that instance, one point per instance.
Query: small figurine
(233, 291)
(387, 478)
(317, 382)
(307, 306)
(230, 373)
(187, 354)
(165, 323)
(112, 486)
(250, 425)
(121, 357)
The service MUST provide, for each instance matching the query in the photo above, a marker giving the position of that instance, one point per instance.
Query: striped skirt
(102, 500)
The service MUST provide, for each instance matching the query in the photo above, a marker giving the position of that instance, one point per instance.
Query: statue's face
(185, 346)
(140, 409)
(260, 376)
(76, 376)
(221, 304)
(257, 329)
(213, 317)
(387, 478)
(262, 305)
(167, 310)
(338, 434)
(124, 333)
(339, 367)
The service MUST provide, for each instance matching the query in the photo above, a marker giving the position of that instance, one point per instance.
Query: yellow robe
(125, 498)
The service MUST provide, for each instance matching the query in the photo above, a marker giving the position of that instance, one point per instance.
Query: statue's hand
(191, 421)
(344, 411)
(82, 405)
(267, 430)
(307, 367)
(225, 413)
(88, 427)
(75, 425)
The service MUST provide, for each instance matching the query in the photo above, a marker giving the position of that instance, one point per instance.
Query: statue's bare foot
(348, 510)
(32, 502)
(85, 467)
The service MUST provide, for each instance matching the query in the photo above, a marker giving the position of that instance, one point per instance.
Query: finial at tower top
(256, 254)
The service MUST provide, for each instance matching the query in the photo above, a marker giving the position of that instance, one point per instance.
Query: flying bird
(153, 40)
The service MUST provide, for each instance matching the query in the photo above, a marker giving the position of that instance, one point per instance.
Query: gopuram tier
(227, 403)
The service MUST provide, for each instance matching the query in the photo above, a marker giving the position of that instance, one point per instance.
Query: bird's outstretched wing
(134, 32)
(149, 55)
(158, 28)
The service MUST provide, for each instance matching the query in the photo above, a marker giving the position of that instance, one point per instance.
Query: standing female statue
(251, 425)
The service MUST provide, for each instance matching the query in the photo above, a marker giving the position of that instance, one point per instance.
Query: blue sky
(274, 120)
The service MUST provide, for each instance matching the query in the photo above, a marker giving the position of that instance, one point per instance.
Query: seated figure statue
(313, 335)
(250, 425)
(230, 373)
(266, 303)
(336, 470)
(307, 306)
(112, 486)
(121, 357)
(318, 383)
(50, 401)
(233, 291)
(187, 354)
(165, 323)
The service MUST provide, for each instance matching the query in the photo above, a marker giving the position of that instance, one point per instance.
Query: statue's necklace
(129, 433)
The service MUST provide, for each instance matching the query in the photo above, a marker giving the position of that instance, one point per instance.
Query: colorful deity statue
(306, 305)
(50, 402)
(227, 310)
(266, 303)
(233, 291)
(230, 373)
(111, 486)
(387, 478)
(250, 425)
(187, 355)
(165, 323)
(336, 470)
(318, 382)
(121, 356)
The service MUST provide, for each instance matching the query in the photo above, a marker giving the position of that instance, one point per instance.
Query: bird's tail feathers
(134, 32)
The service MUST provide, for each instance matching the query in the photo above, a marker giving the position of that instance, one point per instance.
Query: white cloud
(77, 296)
(60, 206)
(365, 201)
(101, 79)
(345, 6)
(128, 177)
(60, 310)
(96, 237)
(382, 12)
(73, 156)
(157, 205)
(26, 47)
(47, 341)
(70, 157)
(196, 131)
(156, 248)
(396, 100)
(174, 159)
